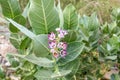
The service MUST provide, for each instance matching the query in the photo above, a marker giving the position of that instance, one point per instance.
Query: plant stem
(75, 77)
(56, 66)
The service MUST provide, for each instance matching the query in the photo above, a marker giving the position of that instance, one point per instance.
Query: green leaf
(73, 66)
(93, 22)
(114, 41)
(70, 17)
(22, 29)
(13, 61)
(111, 57)
(84, 33)
(40, 41)
(44, 62)
(115, 77)
(84, 21)
(61, 73)
(15, 40)
(19, 19)
(89, 23)
(43, 75)
(105, 28)
(118, 58)
(41, 45)
(73, 51)
(2, 74)
(10, 8)
(43, 16)
(25, 11)
(49, 75)
(71, 36)
(25, 43)
(31, 77)
(27, 66)
(60, 14)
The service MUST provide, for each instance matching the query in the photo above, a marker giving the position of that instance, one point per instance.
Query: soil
(5, 45)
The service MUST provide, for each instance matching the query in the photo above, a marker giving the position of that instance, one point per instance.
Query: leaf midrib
(69, 20)
(11, 9)
(43, 10)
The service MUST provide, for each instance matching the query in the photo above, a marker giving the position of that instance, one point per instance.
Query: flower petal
(51, 36)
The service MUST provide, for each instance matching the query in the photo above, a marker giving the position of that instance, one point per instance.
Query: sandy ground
(5, 45)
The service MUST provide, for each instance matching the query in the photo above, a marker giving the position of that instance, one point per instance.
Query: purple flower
(61, 32)
(51, 36)
(63, 53)
(62, 45)
(52, 44)
(57, 48)
(55, 53)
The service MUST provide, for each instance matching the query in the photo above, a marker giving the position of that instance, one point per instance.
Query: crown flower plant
(44, 47)
(57, 43)
(57, 47)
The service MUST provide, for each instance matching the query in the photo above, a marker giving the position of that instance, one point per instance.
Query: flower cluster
(57, 48)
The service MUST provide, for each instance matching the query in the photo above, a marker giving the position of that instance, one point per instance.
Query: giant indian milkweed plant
(48, 44)
(50, 40)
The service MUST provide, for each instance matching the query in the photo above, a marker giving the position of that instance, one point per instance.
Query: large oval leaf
(74, 49)
(73, 66)
(50, 75)
(43, 16)
(42, 62)
(71, 36)
(10, 8)
(43, 75)
(41, 45)
(70, 17)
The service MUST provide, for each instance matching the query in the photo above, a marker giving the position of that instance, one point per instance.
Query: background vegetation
(87, 7)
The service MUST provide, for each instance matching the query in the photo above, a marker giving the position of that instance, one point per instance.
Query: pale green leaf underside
(44, 62)
(43, 16)
(43, 75)
(60, 73)
(41, 45)
(49, 75)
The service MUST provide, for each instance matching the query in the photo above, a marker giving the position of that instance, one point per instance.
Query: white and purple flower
(52, 44)
(57, 48)
(51, 36)
(63, 53)
(61, 33)
(62, 45)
